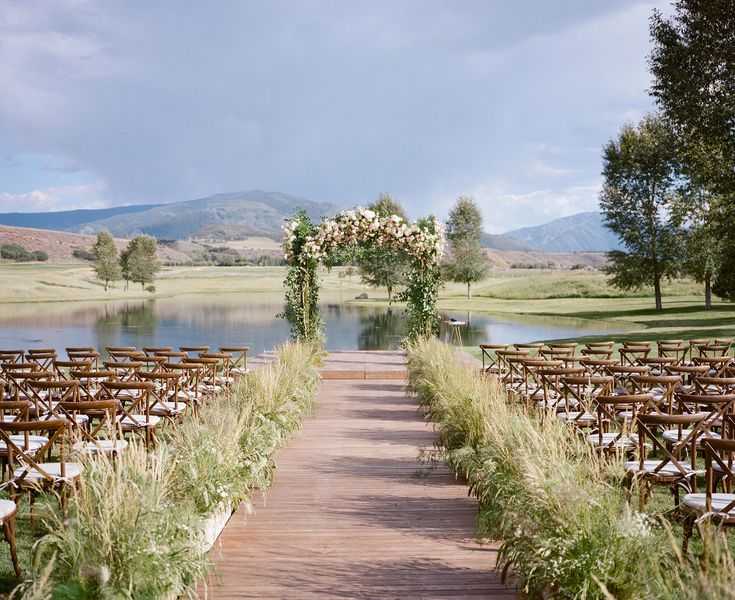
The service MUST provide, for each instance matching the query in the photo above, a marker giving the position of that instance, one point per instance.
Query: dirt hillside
(60, 245)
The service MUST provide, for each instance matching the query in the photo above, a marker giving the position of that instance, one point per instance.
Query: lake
(232, 319)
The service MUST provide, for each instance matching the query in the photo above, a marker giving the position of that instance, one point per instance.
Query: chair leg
(688, 528)
(9, 531)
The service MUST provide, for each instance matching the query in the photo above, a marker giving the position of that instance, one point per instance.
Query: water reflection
(233, 319)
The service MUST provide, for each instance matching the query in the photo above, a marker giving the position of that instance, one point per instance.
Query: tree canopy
(106, 264)
(138, 260)
(693, 66)
(638, 198)
(468, 262)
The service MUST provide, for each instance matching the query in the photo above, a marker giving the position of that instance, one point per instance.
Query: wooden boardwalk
(355, 514)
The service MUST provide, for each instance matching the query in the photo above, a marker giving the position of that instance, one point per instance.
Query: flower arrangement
(306, 245)
(422, 241)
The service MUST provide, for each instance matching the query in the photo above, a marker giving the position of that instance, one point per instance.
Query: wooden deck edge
(349, 375)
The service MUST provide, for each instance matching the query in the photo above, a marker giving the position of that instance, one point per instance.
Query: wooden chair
(579, 393)
(533, 389)
(676, 350)
(238, 361)
(623, 375)
(712, 506)
(487, 351)
(630, 352)
(532, 348)
(152, 350)
(11, 356)
(598, 353)
(85, 356)
(102, 437)
(616, 432)
(8, 509)
(43, 357)
(193, 350)
(135, 403)
(671, 471)
(663, 388)
(165, 401)
(31, 476)
(62, 368)
(552, 387)
(189, 390)
(718, 365)
(597, 366)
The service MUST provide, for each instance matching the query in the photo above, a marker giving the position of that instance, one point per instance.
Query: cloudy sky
(127, 102)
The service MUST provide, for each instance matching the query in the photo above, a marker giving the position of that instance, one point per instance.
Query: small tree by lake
(138, 261)
(637, 201)
(380, 266)
(468, 263)
(106, 263)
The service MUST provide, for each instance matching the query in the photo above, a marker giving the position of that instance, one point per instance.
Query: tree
(693, 67)
(138, 261)
(380, 267)
(105, 262)
(702, 244)
(464, 232)
(637, 200)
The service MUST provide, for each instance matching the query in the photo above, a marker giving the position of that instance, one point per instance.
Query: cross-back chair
(671, 470)
(487, 351)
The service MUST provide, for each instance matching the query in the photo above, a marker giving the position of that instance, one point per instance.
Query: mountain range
(255, 213)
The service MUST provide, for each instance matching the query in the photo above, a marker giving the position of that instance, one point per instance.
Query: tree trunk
(469, 291)
(390, 295)
(106, 282)
(657, 291)
(708, 292)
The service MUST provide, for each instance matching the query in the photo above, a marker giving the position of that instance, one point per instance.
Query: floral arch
(307, 245)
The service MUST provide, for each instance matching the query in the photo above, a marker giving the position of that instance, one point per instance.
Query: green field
(543, 293)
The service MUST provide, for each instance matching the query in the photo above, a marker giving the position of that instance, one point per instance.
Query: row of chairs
(658, 405)
(53, 410)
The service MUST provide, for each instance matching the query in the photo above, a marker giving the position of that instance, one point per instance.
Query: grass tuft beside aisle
(565, 526)
(134, 527)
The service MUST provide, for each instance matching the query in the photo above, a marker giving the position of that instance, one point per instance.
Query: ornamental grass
(134, 527)
(562, 518)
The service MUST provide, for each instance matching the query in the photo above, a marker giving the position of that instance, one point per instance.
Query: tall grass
(565, 530)
(134, 525)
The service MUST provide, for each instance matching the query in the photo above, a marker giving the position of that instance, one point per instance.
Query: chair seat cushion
(101, 446)
(668, 470)
(167, 408)
(577, 417)
(625, 441)
(672, 435)
(698, 502)
(7, 509)
(140, 421)
(35, 442)
(72, 471)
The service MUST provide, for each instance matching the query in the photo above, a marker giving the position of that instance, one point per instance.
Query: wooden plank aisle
(354, 513)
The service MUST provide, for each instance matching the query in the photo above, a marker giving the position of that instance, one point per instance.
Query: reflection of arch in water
(381, 330)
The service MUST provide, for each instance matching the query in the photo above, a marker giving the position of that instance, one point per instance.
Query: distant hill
(237, 215)
(68, 219)
(583, 232)
(501, 242)
(223, 216)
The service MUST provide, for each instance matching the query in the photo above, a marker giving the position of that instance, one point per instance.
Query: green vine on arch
(307, 245)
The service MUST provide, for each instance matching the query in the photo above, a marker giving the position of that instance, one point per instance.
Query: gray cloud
(335, 101)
